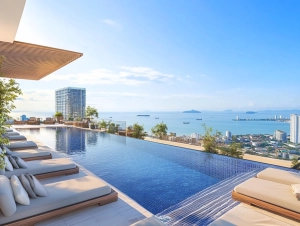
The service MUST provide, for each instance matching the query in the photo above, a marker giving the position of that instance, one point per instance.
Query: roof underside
(33, 62)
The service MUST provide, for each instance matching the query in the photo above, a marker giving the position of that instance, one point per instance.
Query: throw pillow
(8, 151)
(37, 187)
(296, 190)
(21, 163)
(27, 186)
(20, 193)
(8, 165)
(7, 201)
(13, 162)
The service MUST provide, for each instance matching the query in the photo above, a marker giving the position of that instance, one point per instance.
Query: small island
(192, 111)
(250, 112)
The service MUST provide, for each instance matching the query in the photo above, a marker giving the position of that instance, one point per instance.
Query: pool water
(154, 175)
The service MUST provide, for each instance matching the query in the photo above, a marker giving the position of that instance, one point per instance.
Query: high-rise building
(228, 135)
(71, 102)
(295, 128)
(280, 135)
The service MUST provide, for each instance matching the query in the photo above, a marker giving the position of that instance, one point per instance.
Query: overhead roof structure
(25, 60)
(29, 61)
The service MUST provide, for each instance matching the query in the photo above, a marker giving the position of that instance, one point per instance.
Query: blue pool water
(154, 175)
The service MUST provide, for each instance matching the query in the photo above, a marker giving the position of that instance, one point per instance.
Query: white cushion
(8, 165)
(296, 190)
(280, 176)
(21, 163)
(8, 152)
(20, 193)
(36, 186)
(7, 201)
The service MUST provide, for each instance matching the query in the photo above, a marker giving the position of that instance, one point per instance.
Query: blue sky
(163, 55)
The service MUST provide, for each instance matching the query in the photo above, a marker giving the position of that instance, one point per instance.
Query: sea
(188, 123)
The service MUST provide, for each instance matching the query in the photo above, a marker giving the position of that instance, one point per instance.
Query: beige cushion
(8, 165)
(269, 191)
(243, 216)
(32, 119)
(44, 166)
(8, 152)
(20, 193)
(296, 190)
(7, 201)
(61, 194)
(28, 153)
(21, 144)
(280, 176)
(151, 221)
(27, 186)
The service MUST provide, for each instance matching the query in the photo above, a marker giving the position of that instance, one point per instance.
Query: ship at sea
(186, 122)
(250, 112)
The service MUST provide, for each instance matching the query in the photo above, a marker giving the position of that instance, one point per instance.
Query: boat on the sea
(186, 122)
(156, 117)
(143, 115)
(250, 112)
(198, 118)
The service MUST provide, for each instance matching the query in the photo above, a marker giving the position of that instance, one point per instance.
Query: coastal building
(275, 117)
(295, 128)
(280, 135)
(228, 135)
(197, 136)
(71, 102)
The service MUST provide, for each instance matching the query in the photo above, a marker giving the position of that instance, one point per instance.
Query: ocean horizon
(221, 121)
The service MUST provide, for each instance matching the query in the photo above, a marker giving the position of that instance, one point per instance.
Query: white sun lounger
(15, 137)
(243, 216)
(8, 130)
(11, 133)
(22, 145)
(63, 197)
(280, 176)
(46, 168)
(272, 196)
(32, 154)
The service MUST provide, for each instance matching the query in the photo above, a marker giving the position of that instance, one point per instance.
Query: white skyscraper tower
(295, 128)
(228, 135)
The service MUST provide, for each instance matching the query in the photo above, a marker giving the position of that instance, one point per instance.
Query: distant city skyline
(168, 56)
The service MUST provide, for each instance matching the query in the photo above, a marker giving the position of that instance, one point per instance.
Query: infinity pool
(154, 175)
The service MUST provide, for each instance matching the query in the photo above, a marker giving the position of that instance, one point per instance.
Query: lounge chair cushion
(27, 186)
(8, 165)
(7, 201)
(13, 162)
(16, 137)
(151, 221)
(44, 166)
(27, 153)
(241, 215)
(61, 194)
(32, 119)
(8, 130)
(11, 133)
(280, 176)
(271, 192)
(22, 144)
(296, 190)
(20, 193)
(36, 186)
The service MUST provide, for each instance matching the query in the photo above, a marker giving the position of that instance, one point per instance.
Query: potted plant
(90, 112)
(59, 116)
(103, 125)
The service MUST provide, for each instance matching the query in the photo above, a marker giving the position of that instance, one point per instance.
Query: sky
(165, 55)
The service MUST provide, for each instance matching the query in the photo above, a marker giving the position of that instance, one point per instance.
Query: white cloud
(127, 76)
(111, 23)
